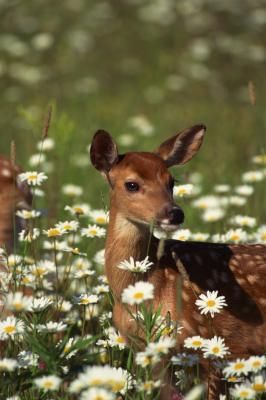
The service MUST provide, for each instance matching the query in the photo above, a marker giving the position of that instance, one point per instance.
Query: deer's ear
(103, 151)
(182, 147)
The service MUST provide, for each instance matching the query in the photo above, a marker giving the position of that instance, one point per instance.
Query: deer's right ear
(103, 151)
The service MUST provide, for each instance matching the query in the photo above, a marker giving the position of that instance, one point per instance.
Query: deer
(13, 195)
(141, 195)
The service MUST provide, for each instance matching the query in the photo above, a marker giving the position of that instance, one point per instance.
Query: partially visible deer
(13, 195)
(142, 195)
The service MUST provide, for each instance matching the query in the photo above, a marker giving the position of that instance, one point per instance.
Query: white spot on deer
(262, 301)
(252, 278)
(203, 330)
(187, 327)
(5, 172)
(241, 281)
(197, 316)
(185, 296)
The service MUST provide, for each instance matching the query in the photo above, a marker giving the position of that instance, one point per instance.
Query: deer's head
(141, 185)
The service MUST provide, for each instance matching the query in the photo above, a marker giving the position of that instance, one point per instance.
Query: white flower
(136, 294)
(10, 328)
(163, 345)
(27, 359)
(72, 190)
(48, 382)
(29, 236)
(195, 393)
(142, 124)
(116, 339)
(39, 304)
(99, 257)
(148, 386)
(194, 342)
(37, 159)
(210, 303)
(17, 302)
(256, 363)
(100, 217)
(259, 159)
(52, 326)
(54, 232)
(206, 202)
(244, 190)
(214, 347)
(86, 299)
(8, 364)
(185, 359)
(243, 392)
(45, 144)
(67, 226)
(200, 237)
(236, 236)
(252, 176)
(147, 357)
(183, 190)
(101, 289)
(135, 266)
(243, 220)
(182, 234)
(258, 384)
(33, 178)
(28, 214)
(213, 214)
(97, 394)
(222, 188)
(93, 231)
(260, 235)
(237, 201)
(237, 368)
(78, 209)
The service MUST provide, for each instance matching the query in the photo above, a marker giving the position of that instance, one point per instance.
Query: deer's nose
(176, 215)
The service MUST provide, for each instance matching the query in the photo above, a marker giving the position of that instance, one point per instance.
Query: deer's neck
(125, 239)
(6, 222)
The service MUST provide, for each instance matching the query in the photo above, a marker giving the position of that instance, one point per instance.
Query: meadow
(142, 70)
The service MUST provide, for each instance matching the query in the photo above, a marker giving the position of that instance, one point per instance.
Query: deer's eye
(132, 186)
(171, 184)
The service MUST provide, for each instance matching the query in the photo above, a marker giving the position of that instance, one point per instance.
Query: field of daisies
(56, 332)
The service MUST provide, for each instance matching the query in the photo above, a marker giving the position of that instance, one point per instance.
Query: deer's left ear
(182, 147)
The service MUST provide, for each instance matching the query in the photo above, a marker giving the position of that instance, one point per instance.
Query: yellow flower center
(197, 343)
(239, 366)
(216, 350)
(147, 385)
(243, 393)
(48, 384)
(256, 364)
(78, 210)
(263, 236)
(210, 303)
(84, 301)
(96, 382)
(120, 339)
(10, 329)
(100, 220)
(116, 386)
(235, 237)
(18, 306)
(232, 379)
(53, 232)
(93, 232)
(138, 295)
(258, 387)
(32, 178)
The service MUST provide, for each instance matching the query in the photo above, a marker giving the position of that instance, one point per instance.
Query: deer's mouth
(166, 226)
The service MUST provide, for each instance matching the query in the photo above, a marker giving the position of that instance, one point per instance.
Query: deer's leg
(215, 385)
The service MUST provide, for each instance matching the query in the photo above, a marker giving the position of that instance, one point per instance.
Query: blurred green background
(102, 63)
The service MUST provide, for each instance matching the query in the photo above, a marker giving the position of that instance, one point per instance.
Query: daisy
(67, 226)
(148, 386)
(194, 342)
(256, 363)
(99, 257)
(135, 266)
(206, 202)
(10, 328)
(185, 359)
(163, 345)
(37, 159)
(29, 236)
(244, 190)
(101, 289)
(86, 299)
(8, 364)
(54, 232)
(258, 384)
(243, 391)
(93, 231)
(222, 188)
(183, 190)
(72, 190)
(48, 382)
(210, 303)
(259, 159)
(214, 347)
(260, 235)
(99, 217)
(97, 394)
(17, 302)
(116, 339)
(252, 176)
(46, 144)
(182, 234)
(40, 304)
(27, 359)
(146, 358)
(213, 214)
(141, 124)
(136, 294)
(28, 214)
(52, 327)
(237, 201)
(236, 236)
(243, 220)
(200, 237)
(79, 209)
(237, 368)
(32, 178)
